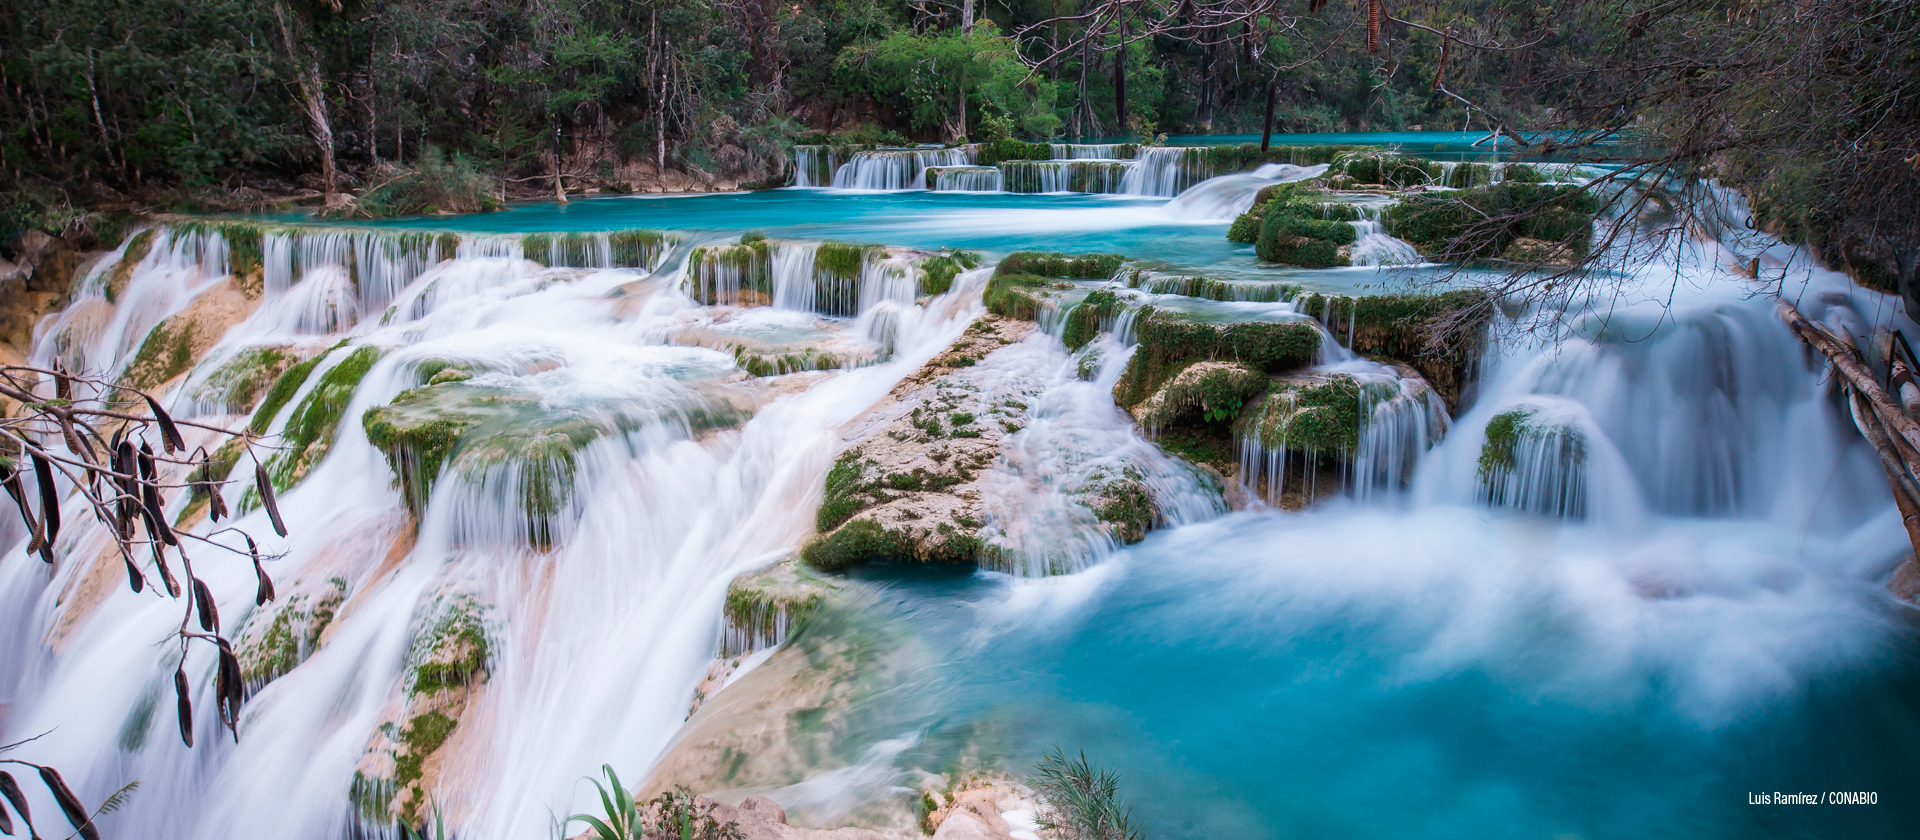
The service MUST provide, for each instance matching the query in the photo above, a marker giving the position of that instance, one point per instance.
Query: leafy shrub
(436, 183)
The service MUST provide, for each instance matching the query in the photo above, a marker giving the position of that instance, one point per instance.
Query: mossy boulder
(1482, 223)
(838, 270)
(238, 384)
(1169, 342)
(1210, 392)
(731, 275)
(1310, 413)
(1094, 314)
(1534, 462)
(308, 433)
(452, 652)
(273, 640)
(1382, 170)
(1021, 281)
(937, 272)
(1295, 233)
(1438, 335)
(768, 606)
(994, 152)
(624, 248)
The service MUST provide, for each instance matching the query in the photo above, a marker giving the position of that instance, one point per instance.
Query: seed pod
(76, 812)
(265, 486)
(166, 574)
(232, 691)
(1440, 74)
(49, 495)
(62, 384)
(265, 592)
(203, 602)
(185, 705)
(11, 479)
(11, 790)
(6, 823)
(169, 433)
(150, 497)
(134, 578)
(125, 464)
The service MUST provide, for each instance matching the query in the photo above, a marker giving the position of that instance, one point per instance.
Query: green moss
(1404, 328)
(1556, 486)
(1481, 223)
(858, 541)
(1094, 314)
(1503, 432)
(423, 736)
(238, 383)
(283, 390)
(416, 441)
(745, 269)
(453, 653)
(842, 261)
(1015, 290)
(1294, 234)
(636, 248)
(1316, 416)
(308, 433)
(940, 270)
(137, 249)
(846, 495)
(994, 152)
(767, 608)
(1217, 392)
(1168, 342)
(1127, 506)
(166, 353)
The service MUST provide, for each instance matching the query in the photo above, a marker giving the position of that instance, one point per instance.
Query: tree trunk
(1120, 83)
(660, 110)
(1266, 126)
(313, 96)
(559, 186)
(966, 17)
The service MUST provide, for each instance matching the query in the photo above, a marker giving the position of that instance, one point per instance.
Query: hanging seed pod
(265, 487)
(184, 702)
(203, 602)
(6, 823)
(1440, 74)
(1375, 11)
(125, 464)
(265, 592)
(11, 790)
(134, 579)
(203, 484)
(166, 574)
(11, 479)
(150, 497)
(232, 690)
(169, 433)
(49, 495)
(62, 384)
(76, 812)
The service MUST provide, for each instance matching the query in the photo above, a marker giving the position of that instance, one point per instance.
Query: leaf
(169, 433)
(265, 486)
(118, 799)
(49, 499)
(76, 812)
(185, 705)
(209, 611)
(11, 790)
(134, 578)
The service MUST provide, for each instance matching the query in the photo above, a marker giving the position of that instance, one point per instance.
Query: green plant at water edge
(437, 182)
(940, 270)
(675, 814)
(1079, 801)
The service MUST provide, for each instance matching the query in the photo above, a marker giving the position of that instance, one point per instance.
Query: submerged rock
(1534, 460)
(766, 607)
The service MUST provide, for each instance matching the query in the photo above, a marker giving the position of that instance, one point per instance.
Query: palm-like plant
(1079, 801)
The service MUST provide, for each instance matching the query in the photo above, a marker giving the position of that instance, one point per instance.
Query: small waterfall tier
(895, 169)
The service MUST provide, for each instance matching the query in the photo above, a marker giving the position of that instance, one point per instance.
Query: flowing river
(1700, 615)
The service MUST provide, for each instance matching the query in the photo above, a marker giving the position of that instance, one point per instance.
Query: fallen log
(1893, 434)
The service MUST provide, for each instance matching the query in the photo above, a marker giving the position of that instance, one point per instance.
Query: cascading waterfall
(1372, 245)
(1050, 176)
(1166, 170)
(613, 539)
(965, 178)
(814, 166)
(1093, 151)
(1227, 196)
(895, 169)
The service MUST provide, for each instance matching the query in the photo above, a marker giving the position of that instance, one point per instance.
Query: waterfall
(1093, 151)
(813, 166)
(894, 169)
(1227, 196)
(793, 275)
(1049, 176)
(1372, 245)
(1166, 170)
(964, 178)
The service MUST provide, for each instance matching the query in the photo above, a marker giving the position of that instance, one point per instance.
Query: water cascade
(814, 166)
(1166, 170)
(1094, 151)
(895, 169)
(1372, 244)
(1050, 176)
(964, 178)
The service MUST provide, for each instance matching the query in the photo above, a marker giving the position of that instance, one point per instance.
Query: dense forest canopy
(1811, 107)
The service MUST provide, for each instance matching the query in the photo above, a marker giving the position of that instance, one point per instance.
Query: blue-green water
(1245, 691)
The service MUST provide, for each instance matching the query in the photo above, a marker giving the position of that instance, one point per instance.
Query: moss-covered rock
(453, 652)
(273, 640)
(1382, 170)
(1534, 463)
(838, 270)
(308, 433)
(1293, 233)
(1307, 413)
(176, 344)
(1020, 281)
(122, 273)
(1210, 392)
(1483, 222)
(938, 271)
(767, 607)
(731, 275)
(994, 152)
(1169, 342)
(1438, 335)
(238, 384)
(1094, 314)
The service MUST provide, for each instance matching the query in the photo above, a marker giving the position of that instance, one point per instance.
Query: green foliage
(855, 542)
(929, 77)
(673, 814)
(941, 269)
(1482, 222)
(992, 154)
(1169, 342)
(436, 183)
(1316, 416)
(1086, 321)
(845, 494)
(1079, 801)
